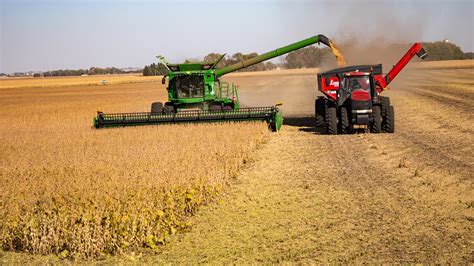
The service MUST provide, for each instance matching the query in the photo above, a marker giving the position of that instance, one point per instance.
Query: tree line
(312, 56)
(80, 72)
(307, 57)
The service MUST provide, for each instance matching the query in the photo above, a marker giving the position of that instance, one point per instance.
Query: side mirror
(163, 80)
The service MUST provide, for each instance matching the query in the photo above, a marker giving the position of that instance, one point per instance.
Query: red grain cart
(352, 96)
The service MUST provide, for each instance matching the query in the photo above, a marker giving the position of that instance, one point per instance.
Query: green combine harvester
(195, 94)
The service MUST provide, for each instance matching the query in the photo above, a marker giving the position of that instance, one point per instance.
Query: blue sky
(46, 35)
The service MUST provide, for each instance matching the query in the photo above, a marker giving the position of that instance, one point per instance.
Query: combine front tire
(157, 107)
(345, 125)
(389, 120)
(376, 126)
(331, 120)
(319, 112)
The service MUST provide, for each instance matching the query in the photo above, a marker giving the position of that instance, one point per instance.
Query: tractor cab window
(189, 86)
(357, 83)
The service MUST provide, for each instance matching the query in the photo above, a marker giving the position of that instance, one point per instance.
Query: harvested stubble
(75, 191)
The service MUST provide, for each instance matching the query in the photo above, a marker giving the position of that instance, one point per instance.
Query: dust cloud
(371, 34)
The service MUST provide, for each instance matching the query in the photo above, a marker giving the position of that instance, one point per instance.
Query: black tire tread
(157, 107)
(319, 112)
(389, 123)
(331, 120)
(345, 127)
(376, 126)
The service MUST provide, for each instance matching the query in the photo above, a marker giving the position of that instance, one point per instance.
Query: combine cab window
(189, 86)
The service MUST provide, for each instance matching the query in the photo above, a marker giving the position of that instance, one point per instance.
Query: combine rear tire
(389, 120)
(345, 125)
(319, 112)
(331, 120)
(157, 107)
(376, 126)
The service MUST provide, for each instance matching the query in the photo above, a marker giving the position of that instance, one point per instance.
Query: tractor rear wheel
(389, 120)
(345, 125)
(319, 112)
(331, 120)
(157, 107)
(376, 126)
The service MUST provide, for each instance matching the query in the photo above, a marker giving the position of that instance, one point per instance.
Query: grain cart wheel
(344, 123)
(319, 112)
(384, 103)
(157, 107)
(376, 126)
(389, 120)
(331, 120)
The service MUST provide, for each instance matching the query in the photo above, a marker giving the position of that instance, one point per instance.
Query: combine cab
(196, 94)
(352, 97)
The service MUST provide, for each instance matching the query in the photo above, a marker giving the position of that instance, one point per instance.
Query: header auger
(196, 94)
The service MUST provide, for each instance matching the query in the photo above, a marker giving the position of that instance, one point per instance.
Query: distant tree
(270, 66)
(443, 51)
(155, 69)
(469, 55)
(146, 71)
(213, 57)
(306, 57)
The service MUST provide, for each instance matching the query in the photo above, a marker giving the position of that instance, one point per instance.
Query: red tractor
(352, 97)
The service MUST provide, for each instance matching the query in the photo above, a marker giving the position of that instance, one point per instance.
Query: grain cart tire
(389, 120)
(319, 112)
(384, 103)
(157, 107)
(345, 125)
(376, 126)
(331, 120)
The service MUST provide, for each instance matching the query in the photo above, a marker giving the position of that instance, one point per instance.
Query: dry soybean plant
(74, 191)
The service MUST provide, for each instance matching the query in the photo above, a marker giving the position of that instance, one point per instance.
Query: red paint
(360, 95)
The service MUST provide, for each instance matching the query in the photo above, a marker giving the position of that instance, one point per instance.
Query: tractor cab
(356, 94)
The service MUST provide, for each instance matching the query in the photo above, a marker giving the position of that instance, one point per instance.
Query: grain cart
(196, 94)
(352, 96)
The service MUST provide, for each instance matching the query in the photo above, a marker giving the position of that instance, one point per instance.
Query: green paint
(197, 85)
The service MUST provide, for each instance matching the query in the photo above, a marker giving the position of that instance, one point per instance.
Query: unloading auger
(196, 94)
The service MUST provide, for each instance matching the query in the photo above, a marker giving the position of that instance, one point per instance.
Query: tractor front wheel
(389, 120)
(376, 126)
(331, 120)
(345, 125)
(157, 107)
